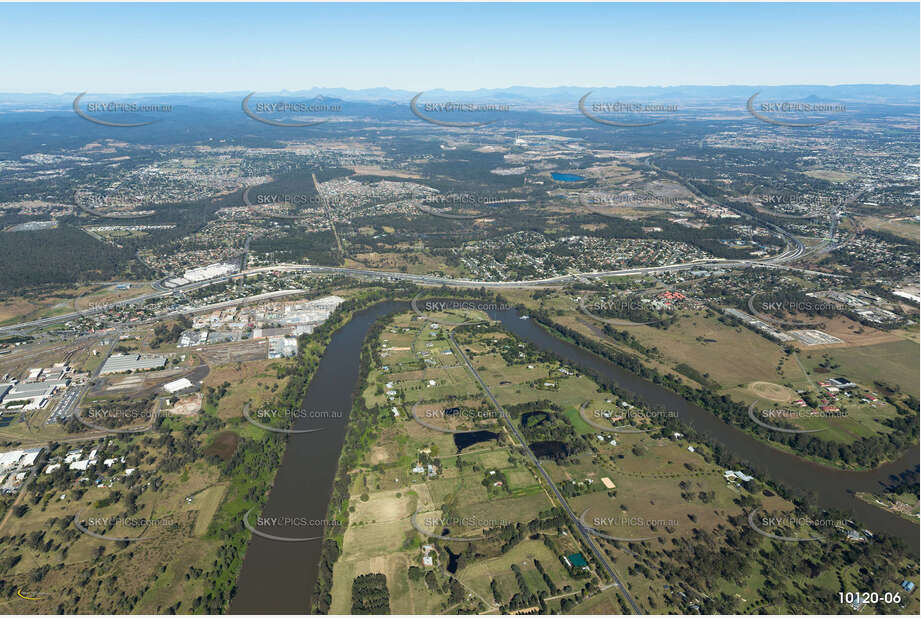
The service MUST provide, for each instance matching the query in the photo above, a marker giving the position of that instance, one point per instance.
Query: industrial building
(841, 383)
(282, 347)
(120, 363)
(178, 385)
(33, 395)
(14, 468)
(756, 324)
(202, 273)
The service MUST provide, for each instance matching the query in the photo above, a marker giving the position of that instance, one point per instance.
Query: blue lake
(566, 177)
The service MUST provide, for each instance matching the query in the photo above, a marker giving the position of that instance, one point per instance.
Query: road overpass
(421, 280)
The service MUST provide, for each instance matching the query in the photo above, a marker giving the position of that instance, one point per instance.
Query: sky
(116, 48)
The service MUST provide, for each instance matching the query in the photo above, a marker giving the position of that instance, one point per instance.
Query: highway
(716, 264)
(798, 247)
(586, 538)
(795, 249)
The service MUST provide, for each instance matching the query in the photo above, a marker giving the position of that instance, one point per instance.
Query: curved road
(776, 262)
(794, 250)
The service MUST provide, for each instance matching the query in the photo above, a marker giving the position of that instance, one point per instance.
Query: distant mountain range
(522, 97)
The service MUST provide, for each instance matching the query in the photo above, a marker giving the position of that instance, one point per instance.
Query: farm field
(755, 371)
(468, 492)
(894, 362)
(427, 507)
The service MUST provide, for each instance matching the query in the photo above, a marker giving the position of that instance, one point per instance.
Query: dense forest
(370, 594)
(61, 256)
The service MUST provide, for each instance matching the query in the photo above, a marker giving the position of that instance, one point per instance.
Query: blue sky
(268, 47)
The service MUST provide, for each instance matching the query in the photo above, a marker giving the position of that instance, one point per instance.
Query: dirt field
(207, 503)
(772, 392)
(254, 381)
(241, 352)
(853, 334)
(187, 406)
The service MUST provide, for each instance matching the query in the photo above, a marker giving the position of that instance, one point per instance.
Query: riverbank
(286, 572)
(278, 574)
(827, 487)
(385, 491)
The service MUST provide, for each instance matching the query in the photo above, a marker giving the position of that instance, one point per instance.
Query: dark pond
(831, 487)
(452, 559)
(469, 438)
(549, 449)
(279, 577)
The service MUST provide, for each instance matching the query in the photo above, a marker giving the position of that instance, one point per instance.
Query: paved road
(420, 279)
(587, 538)
(795, 250)
(797, 245)
(329, 214)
